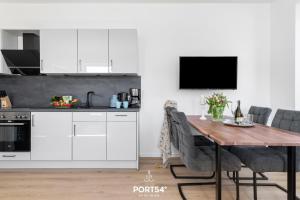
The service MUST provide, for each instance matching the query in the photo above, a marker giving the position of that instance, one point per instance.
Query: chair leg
(236, 181)
(261, 178)
(188, 177)
(267, 185)
(254, 186)
(237, 184)
(180, 185)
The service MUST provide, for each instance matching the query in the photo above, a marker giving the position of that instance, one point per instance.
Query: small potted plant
(217, 103)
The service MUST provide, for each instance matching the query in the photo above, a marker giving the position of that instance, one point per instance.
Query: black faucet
(88, 98)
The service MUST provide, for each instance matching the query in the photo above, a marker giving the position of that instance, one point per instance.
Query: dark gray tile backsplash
(36, 91)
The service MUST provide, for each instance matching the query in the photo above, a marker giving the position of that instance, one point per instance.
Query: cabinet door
(93, 51)
(89, 141)
(51, 136)
(121, 141)
(58, 51)
(123, 51)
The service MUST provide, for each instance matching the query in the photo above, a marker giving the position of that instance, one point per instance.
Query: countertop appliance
(135, 98)
(15, 130)
(123, 96)
(208, 72)
(24, 61)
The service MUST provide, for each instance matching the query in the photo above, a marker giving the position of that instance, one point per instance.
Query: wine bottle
(238, 115)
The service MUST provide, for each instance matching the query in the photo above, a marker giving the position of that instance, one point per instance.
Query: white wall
(283, 54)
(297, 58)
(167, 31)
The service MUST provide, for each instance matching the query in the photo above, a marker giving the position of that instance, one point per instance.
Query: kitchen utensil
(113, 101)
(5, 101)
(118, 104)
(125, 104)
(123, 96)
(230, 122)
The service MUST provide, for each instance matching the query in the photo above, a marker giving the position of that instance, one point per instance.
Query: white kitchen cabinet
(123, 51)
(51, 136)
(89, 116)
(89, 140)
(121, 136)
(93, 51)
(58, 51)
(7, 41)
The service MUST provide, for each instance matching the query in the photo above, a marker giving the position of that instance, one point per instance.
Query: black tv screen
(208, 72)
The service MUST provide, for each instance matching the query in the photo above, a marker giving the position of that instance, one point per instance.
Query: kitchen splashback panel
(36, 91)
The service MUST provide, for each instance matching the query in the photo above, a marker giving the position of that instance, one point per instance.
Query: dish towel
(165, 142)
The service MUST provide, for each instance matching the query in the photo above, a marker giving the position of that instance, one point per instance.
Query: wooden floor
(83, 184)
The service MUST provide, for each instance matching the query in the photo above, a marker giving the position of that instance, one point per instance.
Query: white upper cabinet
(89, 51)
(123, 51)
(93, 51)
(58, 51)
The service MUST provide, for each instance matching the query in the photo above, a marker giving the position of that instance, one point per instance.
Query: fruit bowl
(61, 102)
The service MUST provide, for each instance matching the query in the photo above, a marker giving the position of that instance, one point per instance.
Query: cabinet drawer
(89, 116)
(89, 129)
(15, 156)
(121, 116)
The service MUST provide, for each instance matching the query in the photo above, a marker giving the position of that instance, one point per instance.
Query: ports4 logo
(149, 190)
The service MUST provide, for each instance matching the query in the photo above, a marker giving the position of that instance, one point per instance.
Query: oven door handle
(9, 156)
(11, 124)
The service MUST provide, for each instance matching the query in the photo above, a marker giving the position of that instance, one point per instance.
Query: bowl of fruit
(64, 101)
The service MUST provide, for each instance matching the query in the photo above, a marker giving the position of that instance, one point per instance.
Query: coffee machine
(135, 98)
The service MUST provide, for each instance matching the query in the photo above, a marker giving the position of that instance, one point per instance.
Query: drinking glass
(233, 107)
(249, 119)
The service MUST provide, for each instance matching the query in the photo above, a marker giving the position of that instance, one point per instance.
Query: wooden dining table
(259, 135)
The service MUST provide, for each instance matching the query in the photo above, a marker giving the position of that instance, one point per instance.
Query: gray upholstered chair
(260, 114)
(201, 158)
(198, 139)
(271, 159)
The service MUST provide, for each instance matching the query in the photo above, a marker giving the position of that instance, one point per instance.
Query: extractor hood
(24, 61)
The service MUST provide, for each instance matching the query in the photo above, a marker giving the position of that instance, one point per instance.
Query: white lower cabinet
(121, 136)
(109, 137)
(89, 140)
(51, 136)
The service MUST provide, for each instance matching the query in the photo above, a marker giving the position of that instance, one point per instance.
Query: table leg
(291, 173)
(218, 173)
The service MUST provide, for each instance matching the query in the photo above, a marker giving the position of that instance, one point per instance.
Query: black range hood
(27, 60)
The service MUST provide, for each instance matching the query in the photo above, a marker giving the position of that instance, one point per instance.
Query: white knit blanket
(165, 142)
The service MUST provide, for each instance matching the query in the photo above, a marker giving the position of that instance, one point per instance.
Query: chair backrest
(172, 127)
(260, 114)
(287, 120)
(186, 140)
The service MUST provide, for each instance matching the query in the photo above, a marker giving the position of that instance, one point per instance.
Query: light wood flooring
(93, 184)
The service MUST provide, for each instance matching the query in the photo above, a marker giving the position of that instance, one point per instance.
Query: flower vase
(217, 113)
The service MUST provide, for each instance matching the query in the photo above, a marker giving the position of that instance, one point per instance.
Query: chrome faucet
(88, 98)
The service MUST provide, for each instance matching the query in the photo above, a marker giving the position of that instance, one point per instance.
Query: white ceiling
(135, 1)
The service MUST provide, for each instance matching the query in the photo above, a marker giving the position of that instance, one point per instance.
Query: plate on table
(229, 122)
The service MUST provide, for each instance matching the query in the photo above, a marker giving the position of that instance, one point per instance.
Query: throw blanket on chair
(165, 142)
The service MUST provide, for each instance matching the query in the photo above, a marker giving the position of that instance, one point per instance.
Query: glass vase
(217, 113)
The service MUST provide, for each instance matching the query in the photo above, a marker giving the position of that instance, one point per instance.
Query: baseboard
(150, 155)
(156, 155)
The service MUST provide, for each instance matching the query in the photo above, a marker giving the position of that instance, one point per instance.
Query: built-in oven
(15, 132)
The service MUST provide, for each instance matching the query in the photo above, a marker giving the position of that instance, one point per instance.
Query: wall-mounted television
(208, 72)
